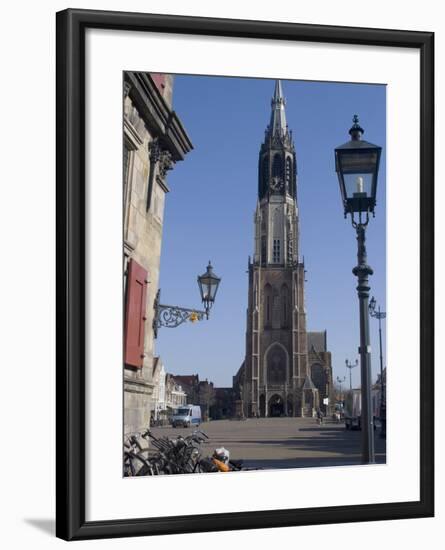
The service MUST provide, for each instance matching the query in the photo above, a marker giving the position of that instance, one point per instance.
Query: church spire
(278, 116)
(277, 163)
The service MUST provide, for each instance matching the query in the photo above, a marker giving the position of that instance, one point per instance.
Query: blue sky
(209, 215)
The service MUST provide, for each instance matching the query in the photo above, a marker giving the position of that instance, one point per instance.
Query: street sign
(326, 401)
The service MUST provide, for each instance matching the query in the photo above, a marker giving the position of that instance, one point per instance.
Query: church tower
(275, 377)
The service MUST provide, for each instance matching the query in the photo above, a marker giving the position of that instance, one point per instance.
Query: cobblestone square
(284, 442)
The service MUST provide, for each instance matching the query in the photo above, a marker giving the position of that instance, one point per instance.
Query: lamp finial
(356, 130)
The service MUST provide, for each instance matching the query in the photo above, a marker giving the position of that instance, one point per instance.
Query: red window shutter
(135, 314)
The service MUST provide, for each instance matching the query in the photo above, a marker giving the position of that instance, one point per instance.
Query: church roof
(278, 116)
(317, 340)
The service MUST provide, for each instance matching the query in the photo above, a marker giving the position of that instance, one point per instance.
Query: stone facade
(159, 401)
(154, 140)
(275, 378)
(175, 395)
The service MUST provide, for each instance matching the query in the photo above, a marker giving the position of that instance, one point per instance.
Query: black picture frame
(70, 171)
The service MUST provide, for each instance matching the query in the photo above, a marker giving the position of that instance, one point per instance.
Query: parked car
(186, 416)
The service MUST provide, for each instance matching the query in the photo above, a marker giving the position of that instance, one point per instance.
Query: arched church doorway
(276, 406)
(262, 405)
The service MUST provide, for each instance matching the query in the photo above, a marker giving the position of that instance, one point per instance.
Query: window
(276, 365)
(276, 251)
(263, 249)
(264, 179)
(277, 166)
(126, 164)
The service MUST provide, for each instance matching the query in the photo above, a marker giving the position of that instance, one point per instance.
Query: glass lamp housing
(357, 165)
(208, 285)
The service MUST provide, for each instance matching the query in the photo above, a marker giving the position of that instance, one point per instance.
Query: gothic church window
(264, 175)
(263, 249)
(267, 304)
(276, 251)
(277, 166)
(276, 366)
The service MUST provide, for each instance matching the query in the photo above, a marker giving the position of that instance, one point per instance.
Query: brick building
(190, 384)
(199, 392)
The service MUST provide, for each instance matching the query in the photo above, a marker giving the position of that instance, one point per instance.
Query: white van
(186, 416)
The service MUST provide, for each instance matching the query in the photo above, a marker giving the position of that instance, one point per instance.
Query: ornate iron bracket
(173, 316)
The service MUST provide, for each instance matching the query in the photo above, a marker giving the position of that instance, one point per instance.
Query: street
(284, 442)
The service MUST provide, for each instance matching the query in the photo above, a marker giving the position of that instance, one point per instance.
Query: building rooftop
(317, 340)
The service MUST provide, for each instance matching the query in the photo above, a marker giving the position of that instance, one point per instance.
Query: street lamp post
(357, 164)
(351, 366)
(380, 315)
(173, 316)
(340, 382)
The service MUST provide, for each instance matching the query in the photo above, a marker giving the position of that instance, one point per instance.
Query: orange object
(220, 465)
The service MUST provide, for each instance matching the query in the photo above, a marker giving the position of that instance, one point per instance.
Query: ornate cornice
(157, 115)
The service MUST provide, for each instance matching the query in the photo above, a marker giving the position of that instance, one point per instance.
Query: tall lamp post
(379, 314)
(173, 316)
(357, 165)
(351, 366)
(340, 382)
